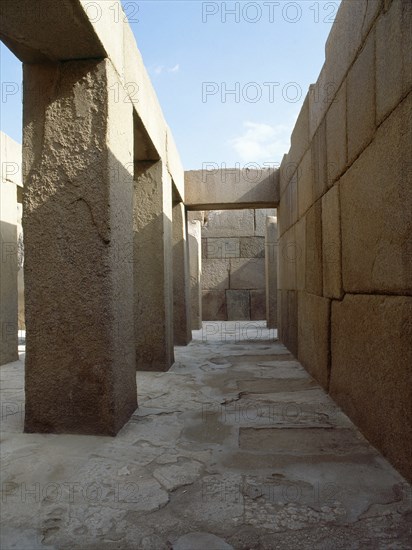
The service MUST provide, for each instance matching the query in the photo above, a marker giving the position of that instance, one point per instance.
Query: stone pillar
(77, 222)
(271, 261)
(195, 266)
(153, 269)
(8, 269)
(181, 284)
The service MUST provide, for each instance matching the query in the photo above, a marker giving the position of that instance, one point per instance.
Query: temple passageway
(235, 447)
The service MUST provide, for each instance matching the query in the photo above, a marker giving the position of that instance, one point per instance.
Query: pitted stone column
(181, 284)
(195, 266)
(271, 261)
(153, 269)
(77, 221)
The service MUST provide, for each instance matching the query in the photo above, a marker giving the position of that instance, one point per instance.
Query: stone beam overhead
(231, 189)
(47, 30)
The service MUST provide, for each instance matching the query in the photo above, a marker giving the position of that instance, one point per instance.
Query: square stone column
(78, 270)
(8, 269)
(153, 268)
(195, 267)
(181, 283)
(271, 267)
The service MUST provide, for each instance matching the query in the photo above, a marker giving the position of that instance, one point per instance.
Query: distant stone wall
(345, 225)
(233, 264)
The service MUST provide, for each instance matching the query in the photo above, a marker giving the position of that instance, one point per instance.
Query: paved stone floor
(235, 447)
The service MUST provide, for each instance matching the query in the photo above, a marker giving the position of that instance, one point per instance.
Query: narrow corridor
(235, 447)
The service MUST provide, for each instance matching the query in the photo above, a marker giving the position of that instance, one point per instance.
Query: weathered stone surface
(214, 305)
(181, 278)
(288, 208)
(238, 305)
(287, 256)
(215, 274)
(78, 222)
(216, 189)
(253, 386)
(222, 248)
(247, 273)
(286, 171)
(319, 162)
(201, 541)
(299, 140)
(313, 270)
(361, 99)
(313, 334)
(376, 249)
(372, 382)
(393, 57)
(173, 476)
(153, 266)
(300, 238)
(331, 245)
(260, 220)
(229, 223)
(252, 247)
(258, 305)
(352, 23)
(336, 136)
(271, 268)
(305, 184)
(195, 269)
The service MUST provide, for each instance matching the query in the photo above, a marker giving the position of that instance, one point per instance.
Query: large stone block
(371, 371)
(287, 256)
(299, 141)
(181, 278)
(361, 100)
(352, 24)
(331, 244)
(288, 207)
(313, 270)
(300, 238)
(214, 305)
(393, 57)
(238, 305)
(376, 195)
(215, 274)
(153, 267)
(195, 269)
(260, 220)
(305, 184)
(313, 332)
(217, 189)
(258, 305)
(336, 136)
(78, 224)
(222, 248)
(286, 171)
(319, 162)
(247, 273)
(252, 247)
(229, 223)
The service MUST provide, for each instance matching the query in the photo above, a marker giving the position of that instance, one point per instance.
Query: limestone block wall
(233, 265)
(345, 225)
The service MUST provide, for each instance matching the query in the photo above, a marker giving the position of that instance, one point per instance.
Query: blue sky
(197, 53)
